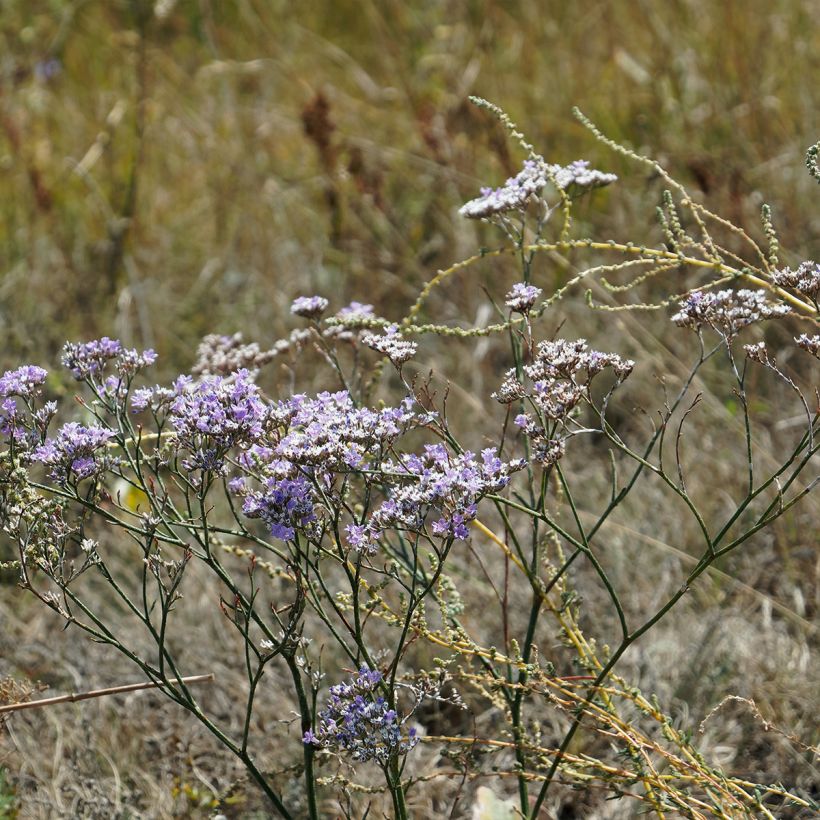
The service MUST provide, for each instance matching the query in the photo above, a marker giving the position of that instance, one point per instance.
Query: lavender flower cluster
(75, 452)
(516, 192)
(330, 432)
(522, 297)
(450, 486)
(360, 723)
(214, 415)
(312, 443)
(726, 311)
(580, 175)
(513, 195)
(88, 360)
(309, 307)
(23, 382)
(284, 505)
(805, 279)
(554, 383)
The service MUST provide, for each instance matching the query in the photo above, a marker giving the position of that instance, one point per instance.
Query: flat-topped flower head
(330, 433)
(23, 382)
(392, 345)
(559, 374)
(513, 195)
(580, 175)
(438, 483)
(75, 452)
(516, 193)
(522, 297)
(805, 279)
(359, 722)
(727, 311)
(309, 307)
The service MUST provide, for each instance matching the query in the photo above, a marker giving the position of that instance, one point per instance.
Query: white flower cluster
(580, 174)
(805, 279)
(392, 345)
(726, 311)
(516, 192)
(811, 344)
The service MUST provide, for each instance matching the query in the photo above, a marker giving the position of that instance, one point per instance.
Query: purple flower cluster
(23, 382)
(560, 373)
(212, 416)
(311, 446)
(805, 279)
(75, 452)
(392, 345)
(448, 486)
(522, 297)
(309, 307)
(88, 360)
(726, 311)
(157, 398)
(554, 383)
(284, 505)
(328, 432)
(360, 723)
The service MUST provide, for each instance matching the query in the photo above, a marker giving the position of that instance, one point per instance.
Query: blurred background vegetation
(171, 169)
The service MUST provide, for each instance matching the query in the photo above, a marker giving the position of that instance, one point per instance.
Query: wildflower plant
(333, 524)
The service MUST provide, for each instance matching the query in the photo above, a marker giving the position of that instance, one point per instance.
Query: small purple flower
(75, 452)
(522, 297)
(309, 307)
(22, 382)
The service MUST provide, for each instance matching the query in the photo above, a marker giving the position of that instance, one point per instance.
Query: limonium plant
(329, 521)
